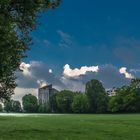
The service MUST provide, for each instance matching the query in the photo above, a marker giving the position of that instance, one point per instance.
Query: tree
(98, 98)
(1, 108)
(12, 106)
(127, 98)
(30, 103)
(8, 106)
(64, 101)
(116, 103)
(17, 19)
(80, 103)
(16, 106)
(53, 103)
(44, 108)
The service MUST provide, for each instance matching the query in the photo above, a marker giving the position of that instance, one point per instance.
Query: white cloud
(42, 83)
(25, 68)
(123, 70)
(50, 71)
(77, 72)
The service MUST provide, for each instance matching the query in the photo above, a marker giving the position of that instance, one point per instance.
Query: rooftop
(46, 87)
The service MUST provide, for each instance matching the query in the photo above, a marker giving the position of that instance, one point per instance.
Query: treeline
(95, 100)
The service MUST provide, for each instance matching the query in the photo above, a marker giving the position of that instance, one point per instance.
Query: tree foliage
(127, 98)
(1, 108)
(30, 103)
(17, 19)
(16, 106)
(97, 96)
(80, 103)
(64, 101)
(44, 108)
(12, 106)
(53, 103)
(8, 106)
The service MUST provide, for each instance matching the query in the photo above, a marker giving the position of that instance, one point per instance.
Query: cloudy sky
(82, 40)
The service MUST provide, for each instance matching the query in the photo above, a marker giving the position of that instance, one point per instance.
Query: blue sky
(99, 30)
(103, 33)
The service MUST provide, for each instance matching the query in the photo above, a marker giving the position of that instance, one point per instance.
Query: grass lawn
(70, 127)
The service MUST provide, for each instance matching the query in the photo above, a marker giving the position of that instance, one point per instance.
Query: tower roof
(46, 87)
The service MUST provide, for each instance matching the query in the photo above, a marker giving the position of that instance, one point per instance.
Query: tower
(44, 94)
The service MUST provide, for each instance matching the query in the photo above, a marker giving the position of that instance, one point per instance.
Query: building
(111, 92)
(44, 94)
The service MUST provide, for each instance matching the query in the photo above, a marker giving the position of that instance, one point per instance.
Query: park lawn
(70, 127)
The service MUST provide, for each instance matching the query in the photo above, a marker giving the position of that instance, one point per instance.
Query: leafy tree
(41, 109)
(44, 108)
(12, 106)
(17, 19)
(1, 108)
(131, 100)
(116, 103)
(80, 104)
(30, 103)
(53, 103)
(98, 98)
(64, 101)
(8, 106)
(127, 98)
(16, 106)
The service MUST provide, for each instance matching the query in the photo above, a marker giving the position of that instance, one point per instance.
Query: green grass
(70, 127)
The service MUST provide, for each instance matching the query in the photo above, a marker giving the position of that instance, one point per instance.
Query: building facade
(45, 93)
(111, 92)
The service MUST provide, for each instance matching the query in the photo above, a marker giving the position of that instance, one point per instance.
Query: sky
(83, 40)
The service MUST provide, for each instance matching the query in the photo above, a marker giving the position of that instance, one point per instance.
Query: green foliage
(127, 98)
(1, 108)
(53, 103)
(41, 109)
(16, 106)
(45, 108)
(80, 103)
(8, 106)
(12, 106)
(64, 101)
(98, 98)
(30, 103)
(17, 19)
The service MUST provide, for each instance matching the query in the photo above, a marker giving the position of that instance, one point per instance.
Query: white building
(111, 92)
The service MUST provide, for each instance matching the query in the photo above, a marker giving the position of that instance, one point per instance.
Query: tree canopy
(17, 19)
(127, 98)
(80, 103)
(12, 106)
(98, 98)
(64, 101)
(30, 103)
